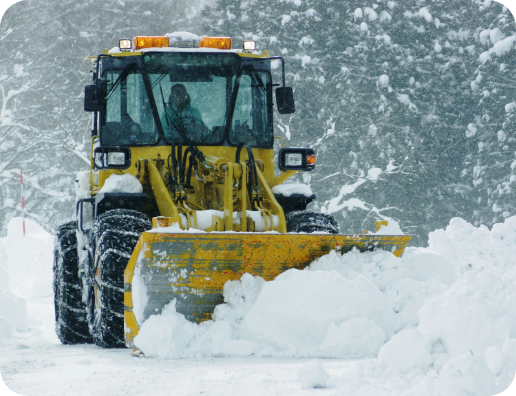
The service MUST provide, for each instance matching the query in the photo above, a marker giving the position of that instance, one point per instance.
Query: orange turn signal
(150, 42)
(310, 159)
(216, 42)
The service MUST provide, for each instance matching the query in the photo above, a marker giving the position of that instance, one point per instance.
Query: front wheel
(308, 221)
(115, 234)
(70, 310)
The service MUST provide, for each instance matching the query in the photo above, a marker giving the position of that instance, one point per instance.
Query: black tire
(70, 310)
(114, 237)
(307, 221)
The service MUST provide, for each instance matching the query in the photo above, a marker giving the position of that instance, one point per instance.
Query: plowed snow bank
(30, 258)
(441, 317)
(22, 274)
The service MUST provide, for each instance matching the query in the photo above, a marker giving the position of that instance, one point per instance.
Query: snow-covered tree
(409, 105)
(384, 94)
(490, 133)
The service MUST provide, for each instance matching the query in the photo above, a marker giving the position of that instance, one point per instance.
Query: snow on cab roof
(183, 36)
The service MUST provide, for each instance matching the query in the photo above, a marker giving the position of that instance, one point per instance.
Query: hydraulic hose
(252, 171)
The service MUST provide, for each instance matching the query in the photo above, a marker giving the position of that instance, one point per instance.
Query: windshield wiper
(257, 82)
(120, 78)
(230, 110)
(158, 80)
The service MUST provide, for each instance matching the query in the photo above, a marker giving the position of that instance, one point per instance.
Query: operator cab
(207, 96)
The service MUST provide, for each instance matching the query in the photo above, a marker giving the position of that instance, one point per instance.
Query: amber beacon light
(216, 42)
(141, 42)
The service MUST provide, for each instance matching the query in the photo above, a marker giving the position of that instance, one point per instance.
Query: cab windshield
(194, 94)
(127, 119)
(209, 99)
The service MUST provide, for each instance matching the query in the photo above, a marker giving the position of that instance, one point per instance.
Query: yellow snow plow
(183, 193)
(193, 268)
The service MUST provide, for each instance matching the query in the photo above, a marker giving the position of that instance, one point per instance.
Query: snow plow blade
(193, 267)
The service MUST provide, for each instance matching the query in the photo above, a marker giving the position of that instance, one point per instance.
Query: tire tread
(70, 311)
(115, 235)
(310, 221)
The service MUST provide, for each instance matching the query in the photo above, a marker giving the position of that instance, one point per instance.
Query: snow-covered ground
(438, 321)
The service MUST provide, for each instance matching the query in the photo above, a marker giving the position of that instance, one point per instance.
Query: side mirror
(91, 102)
(285, 100)
(94, 95)
(300, 159)
(112, 157)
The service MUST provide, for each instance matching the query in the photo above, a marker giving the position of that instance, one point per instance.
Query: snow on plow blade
(193, 267)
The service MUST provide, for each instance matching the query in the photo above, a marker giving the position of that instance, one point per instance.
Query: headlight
(249, 45)
(298, 159)
(124, 44)
(112, 157)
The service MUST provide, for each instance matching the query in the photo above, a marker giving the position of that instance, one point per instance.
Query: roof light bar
(173, 42)
(216, 42)
(124, 44)
(150, 42)
(249, 45)
(141, 42)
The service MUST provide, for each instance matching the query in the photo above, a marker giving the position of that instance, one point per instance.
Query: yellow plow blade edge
(193, 267)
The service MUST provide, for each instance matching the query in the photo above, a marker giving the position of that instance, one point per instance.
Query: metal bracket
(79, 211)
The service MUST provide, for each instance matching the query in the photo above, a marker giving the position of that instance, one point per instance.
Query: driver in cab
(179, 112)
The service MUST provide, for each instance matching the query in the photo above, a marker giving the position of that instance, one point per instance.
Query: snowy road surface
(36, 363)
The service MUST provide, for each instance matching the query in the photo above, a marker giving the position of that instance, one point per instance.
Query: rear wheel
(70, 310)
(114, 237)
(308, 221)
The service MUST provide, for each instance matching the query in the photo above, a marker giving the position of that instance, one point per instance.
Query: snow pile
(289, 189)
(439, 319)
(392, 228)
(169, 335)
(343, 306)
(22, 274)
(355, 337)
(4, 275)
(125, 183)
(7, 316)
(13, 314)
(30, 259)
(304, 305)
(401, 292)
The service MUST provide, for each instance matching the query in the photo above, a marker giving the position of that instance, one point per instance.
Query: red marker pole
(22, 201)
